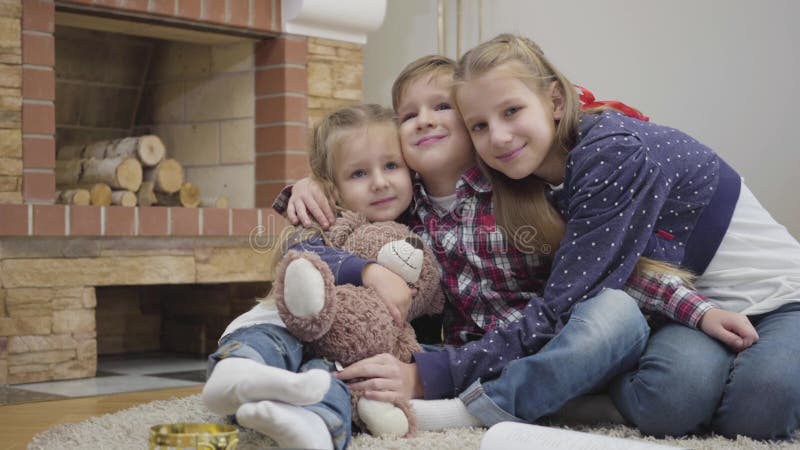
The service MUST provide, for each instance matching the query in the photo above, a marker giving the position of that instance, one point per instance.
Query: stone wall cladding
(11, 101)
(335, 76)
(49, 334)
(48, 324)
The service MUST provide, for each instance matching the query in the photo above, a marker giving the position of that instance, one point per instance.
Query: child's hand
(391, 288)
(731, 328)
(309, 197)
(383, 378)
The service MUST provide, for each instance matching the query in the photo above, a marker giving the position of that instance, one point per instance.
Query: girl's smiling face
(512, 127)
(370, 174)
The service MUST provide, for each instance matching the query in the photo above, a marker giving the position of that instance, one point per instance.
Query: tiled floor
(116, 374)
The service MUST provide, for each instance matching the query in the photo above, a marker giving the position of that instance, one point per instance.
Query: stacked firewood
(127, 172)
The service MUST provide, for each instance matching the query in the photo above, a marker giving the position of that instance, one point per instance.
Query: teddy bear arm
(430, 296)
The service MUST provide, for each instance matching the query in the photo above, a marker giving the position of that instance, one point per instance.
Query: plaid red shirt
(668, 296)
(488, 282)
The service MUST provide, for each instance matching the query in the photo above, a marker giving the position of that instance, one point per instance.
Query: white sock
(433, 415)
(382, 418)
(236, 381)
(289, 425)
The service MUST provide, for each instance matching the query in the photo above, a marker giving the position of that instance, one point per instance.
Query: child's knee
(620, 303)
(610, 313)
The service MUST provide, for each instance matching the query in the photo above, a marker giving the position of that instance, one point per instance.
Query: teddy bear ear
(344, 227)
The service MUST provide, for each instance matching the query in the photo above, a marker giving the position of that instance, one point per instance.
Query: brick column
(38, 101)
(281, 115)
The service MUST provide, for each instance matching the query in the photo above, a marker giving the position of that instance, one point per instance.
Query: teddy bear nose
(414, 241)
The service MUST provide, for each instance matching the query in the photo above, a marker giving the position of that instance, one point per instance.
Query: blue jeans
(688, 382)
(604, 337)
(274, 346)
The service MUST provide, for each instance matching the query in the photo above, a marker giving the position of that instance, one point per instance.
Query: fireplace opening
(187, 319)
(197, 97)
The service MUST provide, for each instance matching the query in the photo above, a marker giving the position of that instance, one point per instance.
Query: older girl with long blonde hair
(609, 190)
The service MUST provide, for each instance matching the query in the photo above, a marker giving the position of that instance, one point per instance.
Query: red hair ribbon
(587, 101)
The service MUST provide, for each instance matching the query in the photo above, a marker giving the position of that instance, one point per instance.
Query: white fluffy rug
(129, 429)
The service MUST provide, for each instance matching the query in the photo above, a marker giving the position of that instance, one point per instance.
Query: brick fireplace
(230, 94)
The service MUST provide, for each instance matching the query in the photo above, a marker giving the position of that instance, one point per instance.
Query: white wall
(722, 70)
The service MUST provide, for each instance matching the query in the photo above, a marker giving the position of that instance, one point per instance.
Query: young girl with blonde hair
(258, 373)
(607, 190)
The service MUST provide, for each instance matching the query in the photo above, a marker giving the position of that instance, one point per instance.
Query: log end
(81, 197)
(169, 176)
(129, 174)
(190, 195)
(151, 150)
(123, 198)
(100, 194)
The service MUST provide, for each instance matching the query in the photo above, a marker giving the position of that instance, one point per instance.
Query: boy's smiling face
(434, 139)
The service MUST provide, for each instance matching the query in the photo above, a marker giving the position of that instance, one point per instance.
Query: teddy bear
(347, 323)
